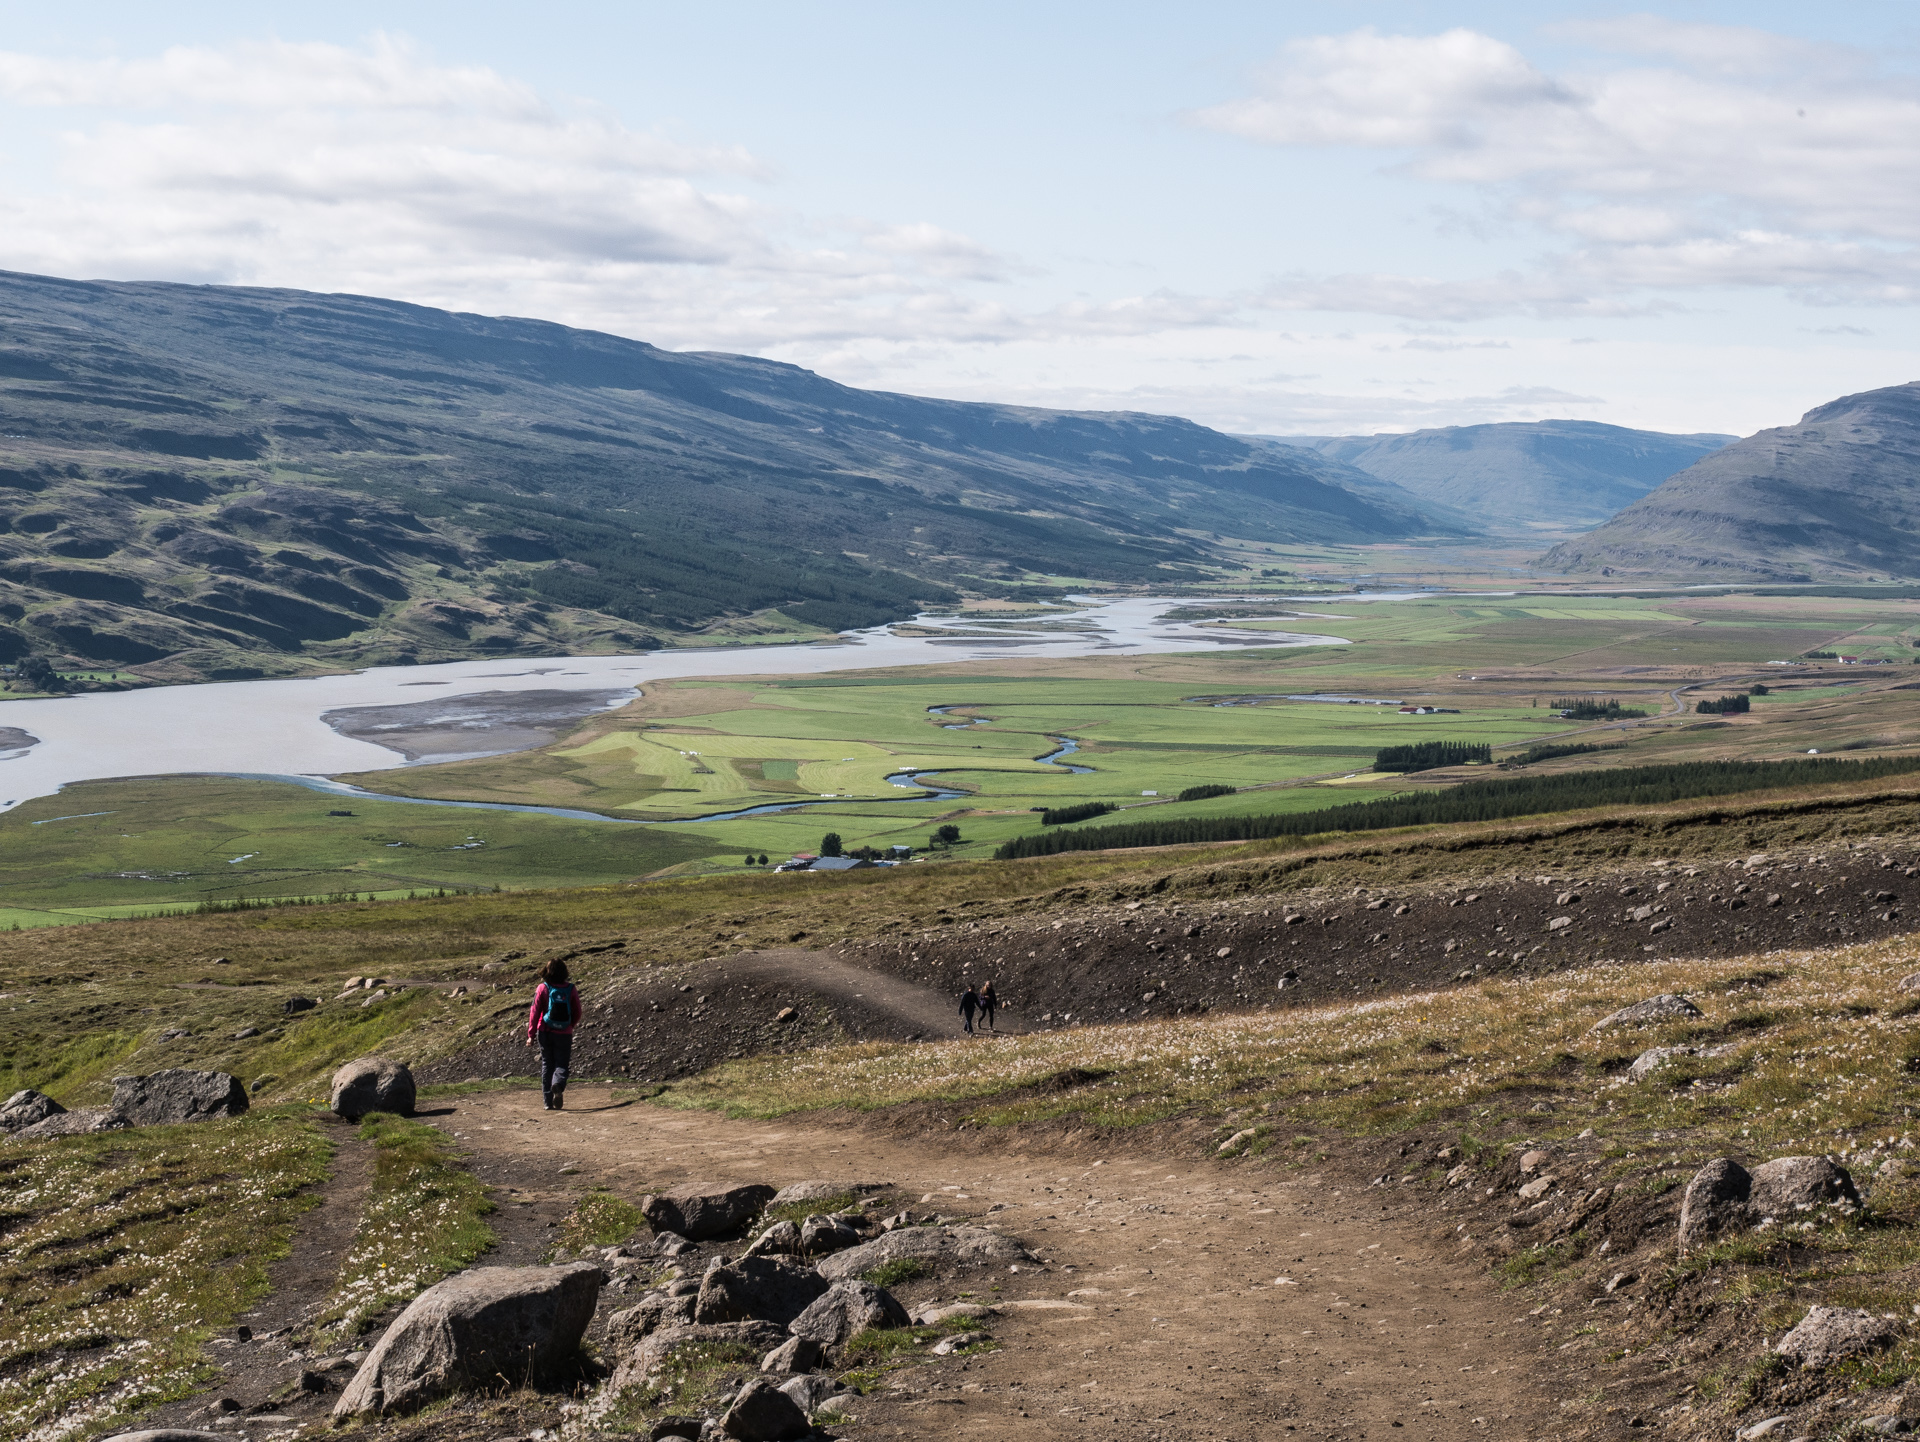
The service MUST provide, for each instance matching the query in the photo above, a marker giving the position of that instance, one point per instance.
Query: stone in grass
(372, 1084)
(812, 1393)
(1832, 1334)
(626, 1329)
(1908, 983)
(688, 1427)
(1786, 1186)
(761, 1412)
(24, 1108)
(780, 1239)
(80, 1122)
(934, 1247)
(174, 1095)
(702, 1210)
(170, 1434)
(522, 1324)
(946, 1346)
(846, 1309)
(796, 1354)
(1653, 1058)
(1715, 1203)
(1665, 1007)
(757, 1289)
(821, 1235)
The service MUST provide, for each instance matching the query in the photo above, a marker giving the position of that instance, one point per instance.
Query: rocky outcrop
(523, 1324)
(72, 1124)
(372, 1084)
(934, 1247)
(700, 1210)
(173, 1096)
(811, 1393)
(627, 1328)
(780, 1239)
(25, 1108)
(796, 1354)
(757, 1289)
(847, 1309)
(821, 1235)
(1832, 1334)
(1665, 1007)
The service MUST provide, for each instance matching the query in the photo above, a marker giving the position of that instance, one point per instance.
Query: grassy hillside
(1835, 497)
(200, 481)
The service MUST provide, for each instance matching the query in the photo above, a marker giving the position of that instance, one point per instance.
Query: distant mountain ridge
(208, 480)
(1835, 496)
(1516, 475)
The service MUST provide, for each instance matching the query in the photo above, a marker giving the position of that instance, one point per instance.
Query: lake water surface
(275, 727)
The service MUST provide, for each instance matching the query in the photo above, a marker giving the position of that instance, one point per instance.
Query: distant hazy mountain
(1837, 495)
(1522, 474)
(211, 480)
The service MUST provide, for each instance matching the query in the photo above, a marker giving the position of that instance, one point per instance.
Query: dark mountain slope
(205, 479)
(1520, 474)
(1837, 495)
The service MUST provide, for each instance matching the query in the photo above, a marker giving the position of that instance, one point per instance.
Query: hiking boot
(559, 1102)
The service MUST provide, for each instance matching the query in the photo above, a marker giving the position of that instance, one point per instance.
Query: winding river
(275, 728)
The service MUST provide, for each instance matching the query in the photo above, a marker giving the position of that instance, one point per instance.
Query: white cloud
(1735, 158)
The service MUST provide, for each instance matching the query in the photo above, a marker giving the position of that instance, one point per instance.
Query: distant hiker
(989, 1004)
(555, 1012)
(969, 1004)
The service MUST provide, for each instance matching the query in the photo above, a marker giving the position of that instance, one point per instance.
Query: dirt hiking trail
(1177, 1324)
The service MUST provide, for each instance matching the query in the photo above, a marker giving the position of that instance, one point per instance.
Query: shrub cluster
(1548, 750)
(1427, 755)
(1593, 708)
(1061, 815)
(1201, 793)
(1477, 801)
(1725, 706)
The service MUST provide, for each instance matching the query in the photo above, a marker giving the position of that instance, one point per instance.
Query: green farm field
(690, 751)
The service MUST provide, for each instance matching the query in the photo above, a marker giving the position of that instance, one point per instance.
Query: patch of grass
(423, 1220)
(797, 1212)
(125, 1251)
(599, 1219)
(896, 1272)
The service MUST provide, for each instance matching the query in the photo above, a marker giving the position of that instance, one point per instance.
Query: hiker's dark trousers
(556, 1059)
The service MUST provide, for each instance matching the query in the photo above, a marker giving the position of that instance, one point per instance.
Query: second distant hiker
(969, 1004)
(989, 1004)
(555, 1012)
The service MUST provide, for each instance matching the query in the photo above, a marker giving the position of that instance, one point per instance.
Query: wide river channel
(276, 727)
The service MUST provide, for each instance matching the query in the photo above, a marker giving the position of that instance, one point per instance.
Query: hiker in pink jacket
(555, 1012)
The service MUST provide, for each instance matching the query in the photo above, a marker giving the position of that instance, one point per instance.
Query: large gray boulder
(1665, 1007)
(1832, 1334)
(372, 1084)
(761, 1412)
(75, 1123)
(643, 1364)
(937, 1248)
(699, 1210)
(1715, 1203)
(24, 1108)
(847, 1309)
(522, 1324)
(173, 1096)
(757, 1289)
(1786, 1186)
(796, 1354)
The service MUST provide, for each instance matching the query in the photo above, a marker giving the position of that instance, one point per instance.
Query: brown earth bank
(1169, 954)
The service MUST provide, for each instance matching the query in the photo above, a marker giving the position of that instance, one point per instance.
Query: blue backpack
(559, 1013)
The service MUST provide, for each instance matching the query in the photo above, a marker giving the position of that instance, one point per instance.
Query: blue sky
(1272, 218)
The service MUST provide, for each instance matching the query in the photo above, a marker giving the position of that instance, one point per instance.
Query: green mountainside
(1836, 496)
(1519, 474)
(212, 481)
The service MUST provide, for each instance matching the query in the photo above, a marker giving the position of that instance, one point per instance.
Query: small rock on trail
(1832, 1334)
